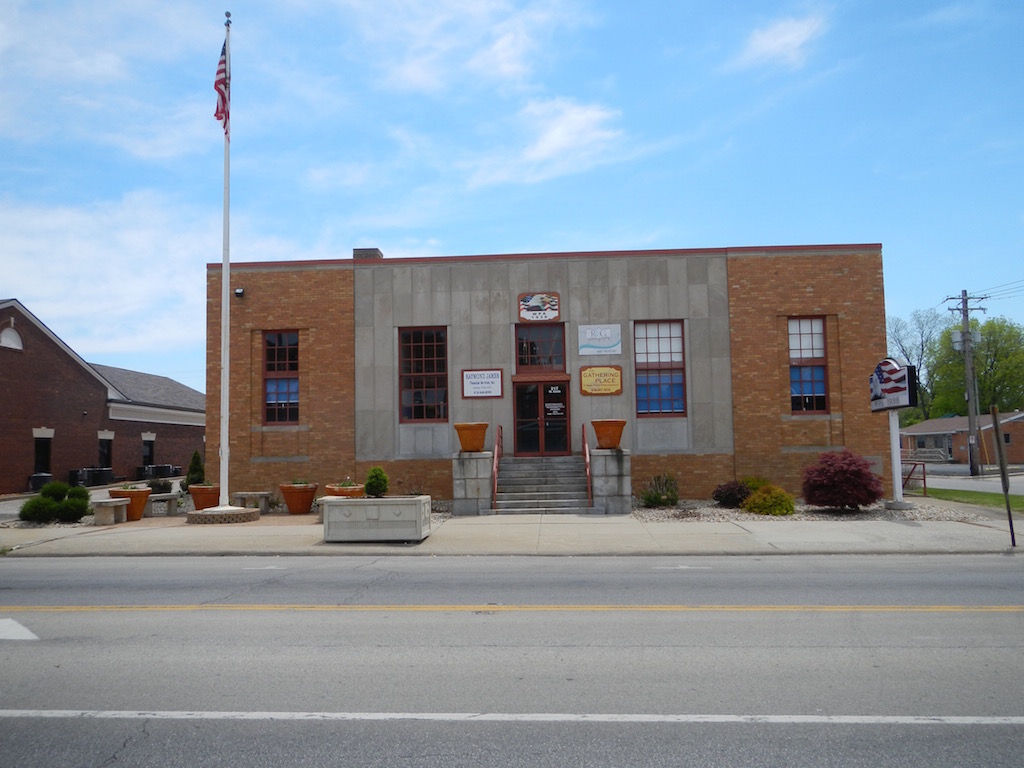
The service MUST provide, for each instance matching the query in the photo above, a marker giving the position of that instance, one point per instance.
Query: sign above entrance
(481, 383)
(538, 306)
(601, 380)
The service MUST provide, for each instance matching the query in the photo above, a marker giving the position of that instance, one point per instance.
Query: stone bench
(170, 498)
(109, 511)
(261, 499)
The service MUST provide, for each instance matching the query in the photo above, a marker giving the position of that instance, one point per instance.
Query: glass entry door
(542, 418)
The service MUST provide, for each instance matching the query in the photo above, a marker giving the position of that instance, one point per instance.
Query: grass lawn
(979, 498)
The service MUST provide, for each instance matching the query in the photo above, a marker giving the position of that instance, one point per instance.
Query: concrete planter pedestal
(388, 518)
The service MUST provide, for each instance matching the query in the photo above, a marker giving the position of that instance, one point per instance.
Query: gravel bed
(701, 511)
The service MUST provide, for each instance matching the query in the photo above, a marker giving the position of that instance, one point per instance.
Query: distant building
(65, 419)
(945, 439)
(724, 363)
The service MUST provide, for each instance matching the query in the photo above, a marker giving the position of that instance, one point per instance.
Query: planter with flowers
(377, 517)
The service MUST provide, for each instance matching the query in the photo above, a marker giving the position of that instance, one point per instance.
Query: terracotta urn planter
(136, 500)
(298, 497)
(471, 435)
(204, 496)
(351, 491)
(608, 432)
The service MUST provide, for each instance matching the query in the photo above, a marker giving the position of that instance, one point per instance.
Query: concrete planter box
(388, 518)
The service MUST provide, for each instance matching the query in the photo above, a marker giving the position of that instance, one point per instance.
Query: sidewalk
(575, 535)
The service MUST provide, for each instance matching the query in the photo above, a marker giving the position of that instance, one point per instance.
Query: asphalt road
(803, 661)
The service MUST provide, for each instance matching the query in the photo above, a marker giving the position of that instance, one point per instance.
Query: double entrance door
(542, 418)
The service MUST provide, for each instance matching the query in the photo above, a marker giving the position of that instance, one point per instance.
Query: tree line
(926, 342)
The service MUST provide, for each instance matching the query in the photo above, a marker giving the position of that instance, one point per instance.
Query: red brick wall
(696, 475)
(317, 302)
(44, 386)
(846, 288)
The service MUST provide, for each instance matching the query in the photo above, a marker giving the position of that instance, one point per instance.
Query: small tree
(841, 480)
(376, 482)
(196, 474)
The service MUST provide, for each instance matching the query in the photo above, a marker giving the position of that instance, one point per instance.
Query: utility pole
(971, 391)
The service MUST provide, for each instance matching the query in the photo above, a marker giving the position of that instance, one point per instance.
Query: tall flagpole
(225, 277)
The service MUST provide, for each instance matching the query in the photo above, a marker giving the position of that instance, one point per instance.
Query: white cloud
(784, 42)
(562, 137)
(430, 46)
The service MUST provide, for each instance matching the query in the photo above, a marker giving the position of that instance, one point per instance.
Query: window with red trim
(281, 377)
(540, 347)
(660, 368)
(808, 364)
(423, 374)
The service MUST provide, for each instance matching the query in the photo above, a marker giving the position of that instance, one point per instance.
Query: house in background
(724, 363)
(945, 439)
(64, 419)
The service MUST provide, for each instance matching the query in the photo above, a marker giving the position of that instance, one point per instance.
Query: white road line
(12, 630)
(512, 717)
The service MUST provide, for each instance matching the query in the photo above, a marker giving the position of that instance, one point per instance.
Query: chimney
(367, 254)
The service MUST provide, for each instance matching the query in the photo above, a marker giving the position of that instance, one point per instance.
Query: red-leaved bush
(841, 479)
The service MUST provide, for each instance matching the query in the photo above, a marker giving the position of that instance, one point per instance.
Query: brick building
(945, 439)
(724, 363)
(60, 415)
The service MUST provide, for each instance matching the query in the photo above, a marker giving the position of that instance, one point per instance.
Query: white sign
(481, 383)
(893, 386)
(600, 339)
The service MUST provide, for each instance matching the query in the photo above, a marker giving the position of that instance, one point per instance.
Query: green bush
(196, 473)
(376, 482)
(39, 509)
(769, 500)
(55, 490)
(755, 482)
(56, 501)
(77, 492)
(662, 492)
(72, 510)
(161, 485)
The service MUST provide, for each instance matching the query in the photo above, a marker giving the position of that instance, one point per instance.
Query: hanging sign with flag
(222, 85)
(893, 386)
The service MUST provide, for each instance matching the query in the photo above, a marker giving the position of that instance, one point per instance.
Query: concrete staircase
(550, 485)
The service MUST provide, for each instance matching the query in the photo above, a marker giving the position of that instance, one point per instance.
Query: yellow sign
(601, 380)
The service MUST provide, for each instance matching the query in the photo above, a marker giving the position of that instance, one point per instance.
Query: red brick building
(60, 415)
(946, 439)
(724, 362)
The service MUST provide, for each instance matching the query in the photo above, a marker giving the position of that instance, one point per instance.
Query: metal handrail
(498, 452)
(586, 463)
(924, 475)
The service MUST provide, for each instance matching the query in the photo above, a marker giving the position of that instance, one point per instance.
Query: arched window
(11, 339)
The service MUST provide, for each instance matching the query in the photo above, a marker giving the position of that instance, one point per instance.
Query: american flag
(222, 85)
(891, 378)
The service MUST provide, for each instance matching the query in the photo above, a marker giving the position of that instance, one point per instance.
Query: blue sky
(456, 127)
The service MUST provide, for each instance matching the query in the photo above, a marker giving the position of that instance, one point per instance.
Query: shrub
(755, 482)
(731, 494)
(841, 480)
(196, 474)
(769, 500)
(39, 509)
(376, 482)
(56, 501)
(160, 485)
(55, 490)
(71, 510)
(662, 492)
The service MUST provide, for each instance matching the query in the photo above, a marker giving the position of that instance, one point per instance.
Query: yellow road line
(254, 607)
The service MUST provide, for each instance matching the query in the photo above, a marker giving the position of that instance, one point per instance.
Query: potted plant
(204, 495)
(346, 488)
(377, 517)
(608, 432)
(137, 497)
(298, 496)
(471, 435)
